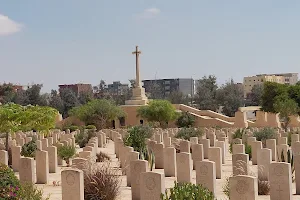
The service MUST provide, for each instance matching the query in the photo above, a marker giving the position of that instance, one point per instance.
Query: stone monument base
(138, 97)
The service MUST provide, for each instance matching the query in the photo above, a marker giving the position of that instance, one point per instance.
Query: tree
(56, 102)
(185, 120)
(20, 97)
(33, 94)
(230, 96)
(286, 107)
(6, 93)
(294, 93)
(161, 111)
(270, 92)
(254, 98)
(69, 99)
(206, 91)
(99, 90)
(177, 97)
(85, 97)
(14, 117)
(98, 112)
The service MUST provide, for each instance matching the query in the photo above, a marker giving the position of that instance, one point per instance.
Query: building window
(141, 122)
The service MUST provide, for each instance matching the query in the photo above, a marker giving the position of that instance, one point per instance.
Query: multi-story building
(249, 82)
(77, 88)
(117, 88)
(166, 86)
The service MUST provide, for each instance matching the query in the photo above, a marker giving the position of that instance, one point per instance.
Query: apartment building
(167, 86)
(77, 88)
(250, 81)
(117, 88)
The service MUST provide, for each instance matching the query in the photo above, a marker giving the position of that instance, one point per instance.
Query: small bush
(84, 136)
(185, 120)
(101, 157)
(101, 182)
(239, 134)
(30, 192)
(187, 191)
(66, 152)
(90, 127)
(187, 133)
(264, 134)
(72, 128)
(29, 149)
(137, 136)
(9, 183)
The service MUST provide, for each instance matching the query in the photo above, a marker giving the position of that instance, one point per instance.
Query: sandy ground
(125, 192)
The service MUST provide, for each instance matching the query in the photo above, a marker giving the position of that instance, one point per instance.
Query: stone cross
(137, 66)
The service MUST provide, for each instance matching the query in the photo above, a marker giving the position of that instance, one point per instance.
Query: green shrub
(84, 136)
(187, 133)
(9, 183)
(187, 191)
(264, 134)
(72, 128)
(30, 192)
(29, 149)
(185, 120)
(239, 134)
(101, 157)
(90, 127)
(66, 152)
(137, 136)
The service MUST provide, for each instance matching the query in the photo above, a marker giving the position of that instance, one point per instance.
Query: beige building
(250, 81)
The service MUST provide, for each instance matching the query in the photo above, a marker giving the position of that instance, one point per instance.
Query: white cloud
(8, 26)
(149, 13)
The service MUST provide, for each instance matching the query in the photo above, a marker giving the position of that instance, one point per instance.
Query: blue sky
(55, 42)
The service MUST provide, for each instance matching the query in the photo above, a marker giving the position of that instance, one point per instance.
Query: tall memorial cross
(137, 67)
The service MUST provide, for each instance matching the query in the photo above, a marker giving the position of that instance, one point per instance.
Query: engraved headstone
(137, 167)
(197, 153)
(42, 167)
(243, 187)
(26, 172)
(72, 184)
(184, 167)
(240, 164)
(152, 185)
(280, 181)
(215, 155)
(170, 162)
(206, 175)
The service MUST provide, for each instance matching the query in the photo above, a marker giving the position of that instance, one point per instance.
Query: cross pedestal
(138, 92)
